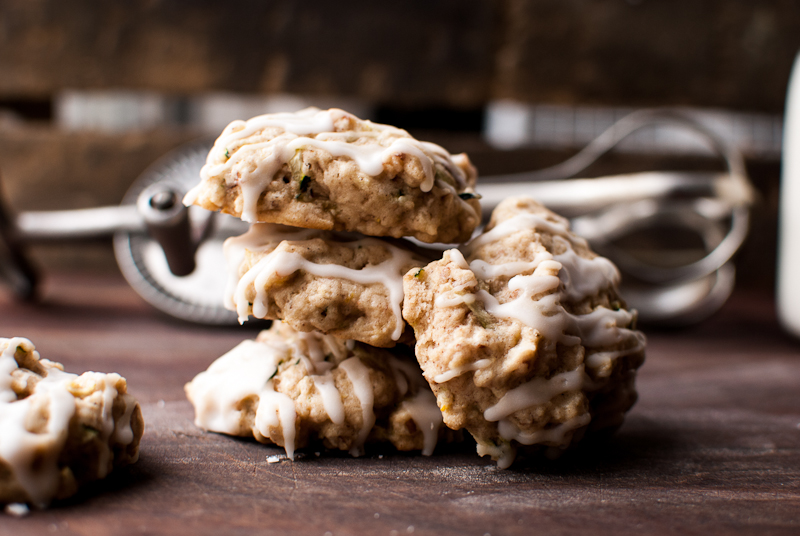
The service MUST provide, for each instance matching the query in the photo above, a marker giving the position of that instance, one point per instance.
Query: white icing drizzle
(243, 372)
(258, 238)
(542, 286)
(584, 277)
(123, 432)
(458, 258)
(297, 131)
(556, 435)
(405, 374)
(484, 270)
(535, 392)
(521, 222)
(33, 457)
(313, 349)
(283, 263)
(331, 398)
(566, 277)
(453, 298)
(458, 371)
(275, 409)
(503, 453)
(601, 327)
(600, 362)
(427, 416)
(358, 374)
(248, 371)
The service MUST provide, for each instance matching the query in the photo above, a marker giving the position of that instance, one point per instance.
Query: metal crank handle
(158, 212)
(575, 197)
(87, 223)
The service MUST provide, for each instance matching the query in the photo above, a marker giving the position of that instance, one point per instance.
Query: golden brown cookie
(338, 284)
(296, 389)
(523, 337)
(329, 170)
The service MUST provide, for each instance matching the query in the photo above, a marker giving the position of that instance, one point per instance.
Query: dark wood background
(444, 59)
(719, 53)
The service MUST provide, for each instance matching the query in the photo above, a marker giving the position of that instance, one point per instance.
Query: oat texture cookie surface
(522, 335)
(59, 431)
(296, 389)
(329, 170)
(339, 284)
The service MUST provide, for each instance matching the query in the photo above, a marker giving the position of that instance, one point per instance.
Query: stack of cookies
(520, 333)
(333, 196)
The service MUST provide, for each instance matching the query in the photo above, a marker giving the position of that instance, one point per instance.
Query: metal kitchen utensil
(713, 206)
(172, 255)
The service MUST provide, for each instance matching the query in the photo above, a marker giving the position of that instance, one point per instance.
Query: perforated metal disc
(197, 297)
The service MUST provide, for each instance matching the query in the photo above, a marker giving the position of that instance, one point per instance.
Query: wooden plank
(43, 168)
(642, 53)
(712, 446)
(455, 53)
(396, 50)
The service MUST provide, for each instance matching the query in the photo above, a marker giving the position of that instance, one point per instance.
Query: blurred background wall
(92, 92)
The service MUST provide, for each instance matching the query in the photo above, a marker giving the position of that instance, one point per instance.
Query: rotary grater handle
(158, 212)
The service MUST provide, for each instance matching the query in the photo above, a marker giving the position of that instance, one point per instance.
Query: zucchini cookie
(523, 337)
(339, 284)
(329, 170)
(59, 431)
(296, 389)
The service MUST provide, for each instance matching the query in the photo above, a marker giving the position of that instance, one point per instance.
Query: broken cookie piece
(59, 431)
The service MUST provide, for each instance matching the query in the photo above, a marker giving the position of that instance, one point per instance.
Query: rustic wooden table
(712, 447)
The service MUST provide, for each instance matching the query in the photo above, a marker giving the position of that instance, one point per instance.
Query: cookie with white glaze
(329, 170)
(59, 431)
(295, 389)
(339, 284)
(523, 336)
